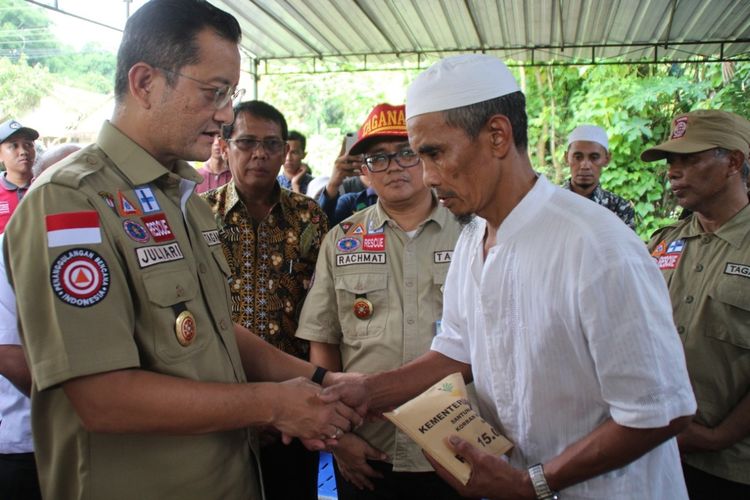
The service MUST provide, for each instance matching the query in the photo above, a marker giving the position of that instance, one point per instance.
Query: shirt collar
(734, 231)
(9, 186)
(134, 162)
(233, 199)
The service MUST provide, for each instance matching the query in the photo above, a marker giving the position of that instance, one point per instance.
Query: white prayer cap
(590, 133)
(458, 81)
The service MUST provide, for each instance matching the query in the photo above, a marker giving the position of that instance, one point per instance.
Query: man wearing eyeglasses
(140, 379)
(271, 237)
(376, 302)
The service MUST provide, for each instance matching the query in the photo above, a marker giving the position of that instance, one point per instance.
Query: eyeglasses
(271, 146)
(221, 95)
(406, 158)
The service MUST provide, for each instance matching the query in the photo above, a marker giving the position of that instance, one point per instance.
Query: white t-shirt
(567, 323)
(15, 408)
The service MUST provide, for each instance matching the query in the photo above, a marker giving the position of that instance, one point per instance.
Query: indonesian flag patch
(73, 228)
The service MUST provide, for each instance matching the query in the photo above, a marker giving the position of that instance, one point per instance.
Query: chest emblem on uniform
(671, 256)
(80, 277)
(147, 199)
(158, 227)
(375, 230)
(347, 244)
(363, 308)
(184, 328)
(374, 242)
(356, 230)
(125, 207)
(135, 231)
(109, 200)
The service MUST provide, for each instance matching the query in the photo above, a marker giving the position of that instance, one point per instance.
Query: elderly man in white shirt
(552, 305)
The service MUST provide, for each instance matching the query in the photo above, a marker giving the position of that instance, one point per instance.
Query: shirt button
(689, 299)
(410, 283)
(91, 160)
(223, 324)
(699, 267)
(410, 321)
(180, 291)
(706, 239)
(680, 330)
(202, 268)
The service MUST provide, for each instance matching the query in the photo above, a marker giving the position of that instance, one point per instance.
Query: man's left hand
(699, 438)
(491, 476)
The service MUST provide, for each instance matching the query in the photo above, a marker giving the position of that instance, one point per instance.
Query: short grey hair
(473, 117)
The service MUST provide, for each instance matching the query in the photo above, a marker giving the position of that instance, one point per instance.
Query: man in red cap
(17, 153)
(376, 302)
(705, 259)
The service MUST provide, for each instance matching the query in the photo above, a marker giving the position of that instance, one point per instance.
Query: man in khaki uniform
(705, 259)
(139, 374)
(376, 302)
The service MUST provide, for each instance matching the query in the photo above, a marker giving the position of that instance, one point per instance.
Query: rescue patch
(158, 254)
(158, 226)
(442, 256)
(347, 244)
(671, 258)
(80, 277)
(737, 269)
(349, 259)
(374, 242)
(135, 231)
(212, 237)
(125, 207)
(147, 199)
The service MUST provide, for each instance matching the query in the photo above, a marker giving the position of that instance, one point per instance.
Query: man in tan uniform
(139, 374)
(705, 259)
(376, 301)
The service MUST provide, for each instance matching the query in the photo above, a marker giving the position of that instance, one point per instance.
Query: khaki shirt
(105, 252)
(708, 275)
(369, 256)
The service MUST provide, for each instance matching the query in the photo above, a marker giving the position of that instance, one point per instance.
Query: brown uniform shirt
(708, 275)
(105, 252)
(368, 256)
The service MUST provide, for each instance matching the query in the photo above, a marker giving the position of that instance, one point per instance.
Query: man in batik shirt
(271, 237)
(587, 154)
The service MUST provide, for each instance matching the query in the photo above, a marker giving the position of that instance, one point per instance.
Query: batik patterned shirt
(620, 206)
(272, 261)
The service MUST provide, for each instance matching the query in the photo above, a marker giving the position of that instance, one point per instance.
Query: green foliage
(635, 105)
(25, 32)
(21, 87)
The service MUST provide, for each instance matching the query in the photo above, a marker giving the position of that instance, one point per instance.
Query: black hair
(473, 117)
(297, 136)
(162, 33)
(258, 109)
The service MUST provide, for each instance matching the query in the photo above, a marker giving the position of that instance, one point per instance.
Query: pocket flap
(166, 288)
(362, 283)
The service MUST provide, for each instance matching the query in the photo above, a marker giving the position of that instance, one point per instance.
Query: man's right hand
(349, 388)
(300, 412)
(344, 166)
(352, 453)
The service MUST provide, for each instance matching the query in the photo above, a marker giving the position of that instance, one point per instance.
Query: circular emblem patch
(80, 277)
(680, 127)
(363, 308)
(135, 231)
(348, 244)
(184, 328)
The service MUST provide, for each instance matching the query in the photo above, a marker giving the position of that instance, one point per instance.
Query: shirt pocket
(731, 321)
(370, 286)
(166, 290)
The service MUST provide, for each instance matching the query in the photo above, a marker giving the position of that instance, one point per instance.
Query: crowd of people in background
(173, 332)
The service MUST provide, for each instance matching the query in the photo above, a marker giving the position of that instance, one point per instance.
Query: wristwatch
(541, 488)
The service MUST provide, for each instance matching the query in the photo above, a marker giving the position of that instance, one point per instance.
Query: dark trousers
(289, 472)
(18, 479)
(396, 485)
(704, 486)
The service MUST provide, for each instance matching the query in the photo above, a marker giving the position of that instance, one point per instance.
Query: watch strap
(539, 482)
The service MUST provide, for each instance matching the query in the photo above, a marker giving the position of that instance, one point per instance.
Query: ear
(500, 134)
(736, 160)
(609, 157)
(141, 83)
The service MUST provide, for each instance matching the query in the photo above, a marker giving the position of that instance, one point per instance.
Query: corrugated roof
(345, 35)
